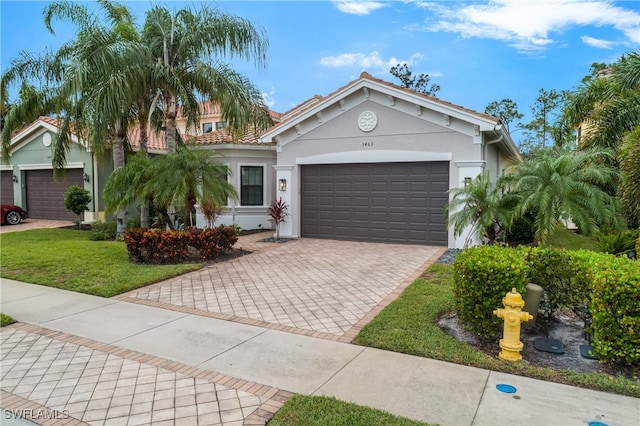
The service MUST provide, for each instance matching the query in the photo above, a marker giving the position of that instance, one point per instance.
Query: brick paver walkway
(51, 377)
(325, 287)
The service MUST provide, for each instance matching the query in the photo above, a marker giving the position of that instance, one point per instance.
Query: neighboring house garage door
(45, 196)
(6, 189)
(381, 202)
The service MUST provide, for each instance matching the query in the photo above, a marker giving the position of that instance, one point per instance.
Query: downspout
(491, 142)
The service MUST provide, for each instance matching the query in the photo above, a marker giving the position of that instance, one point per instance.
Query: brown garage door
(382, 202)
(45, 196)
(6, 187)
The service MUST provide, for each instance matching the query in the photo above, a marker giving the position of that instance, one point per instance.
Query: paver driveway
(325, 288)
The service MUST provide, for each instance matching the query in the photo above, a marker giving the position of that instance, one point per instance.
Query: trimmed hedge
(163, 246)
(609, 284)
(615, 308)
(562, 274)
(482, 277)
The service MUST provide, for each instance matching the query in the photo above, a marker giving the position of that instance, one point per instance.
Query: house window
(221, 125)
(251, 186)
(206, 128)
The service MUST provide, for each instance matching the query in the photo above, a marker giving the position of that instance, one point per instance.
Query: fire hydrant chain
(513, 316)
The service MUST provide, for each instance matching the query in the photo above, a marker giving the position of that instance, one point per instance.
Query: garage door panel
(45, 196)
(6, 187)
(393, 202)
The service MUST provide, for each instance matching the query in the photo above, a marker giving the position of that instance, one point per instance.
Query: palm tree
(185, 178)
(608, 108)
(183, 45)
(478, 205)
(630, 177)
(563, 184)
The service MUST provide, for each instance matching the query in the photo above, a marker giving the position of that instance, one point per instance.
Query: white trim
(470, 163)
(380, 156)
(264, 183)
(41, 166)
(6, 167)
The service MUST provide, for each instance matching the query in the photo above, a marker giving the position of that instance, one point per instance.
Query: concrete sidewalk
(258, 368)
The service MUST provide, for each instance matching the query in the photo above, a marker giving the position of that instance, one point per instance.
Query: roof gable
(319, 110)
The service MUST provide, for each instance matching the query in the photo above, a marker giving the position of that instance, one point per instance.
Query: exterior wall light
(282, 184)
(467, 182)
(15, 178)
(85, 177)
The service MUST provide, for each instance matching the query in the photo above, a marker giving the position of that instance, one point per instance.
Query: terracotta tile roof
(368, 76)
(209, 108)
(155, 141)
(222, 136)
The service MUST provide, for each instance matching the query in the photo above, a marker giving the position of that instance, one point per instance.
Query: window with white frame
(221, 125)
(251, 185)
(207, 127)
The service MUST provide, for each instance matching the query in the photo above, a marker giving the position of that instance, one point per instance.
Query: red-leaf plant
(278, 213)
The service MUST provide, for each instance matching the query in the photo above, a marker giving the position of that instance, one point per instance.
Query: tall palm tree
(187, 177)
(608, 108)
(564, 184)
(184, 46)
(480, 206)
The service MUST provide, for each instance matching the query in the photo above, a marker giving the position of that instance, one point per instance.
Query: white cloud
(596, 42)
(269, 98)
(372, 61)
(530, 25)
(355, 7)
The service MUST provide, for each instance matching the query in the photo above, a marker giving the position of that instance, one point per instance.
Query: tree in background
(547, 127)
(630, 178)
(607, 109)
(506, 110)
(419, 83)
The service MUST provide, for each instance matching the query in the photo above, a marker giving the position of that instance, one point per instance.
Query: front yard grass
(569, 240)
(409, 325)
(322, 410)
(6, 320)
(67, 259)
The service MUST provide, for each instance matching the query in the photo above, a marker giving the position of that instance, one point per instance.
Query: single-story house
(372, 161)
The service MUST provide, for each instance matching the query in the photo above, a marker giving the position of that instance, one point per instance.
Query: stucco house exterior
(371, 161)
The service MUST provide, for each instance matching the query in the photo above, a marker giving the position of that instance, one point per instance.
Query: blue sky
(477, 51)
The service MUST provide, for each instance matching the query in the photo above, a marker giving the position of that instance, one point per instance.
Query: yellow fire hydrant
(513, 316)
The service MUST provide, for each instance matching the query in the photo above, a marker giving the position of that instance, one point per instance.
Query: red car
(12, 215)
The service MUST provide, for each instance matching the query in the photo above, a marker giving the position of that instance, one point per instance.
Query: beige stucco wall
(235, 156)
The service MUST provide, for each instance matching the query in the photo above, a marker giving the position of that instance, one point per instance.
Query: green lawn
(569, 240)
(408, 325)
(67, 259)
(6, 320)
(302, 410)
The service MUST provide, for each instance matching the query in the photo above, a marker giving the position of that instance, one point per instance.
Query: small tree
(278, 213)
(210, 210)
(77, 200)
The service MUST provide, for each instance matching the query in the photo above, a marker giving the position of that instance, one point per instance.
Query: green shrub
(103, 231)
(560, 273)
(615, 307)
(482, 277)
(617, 242)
